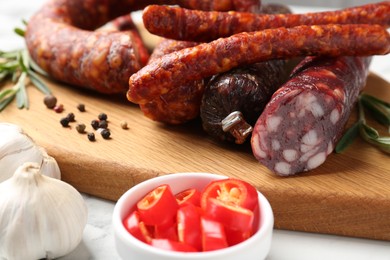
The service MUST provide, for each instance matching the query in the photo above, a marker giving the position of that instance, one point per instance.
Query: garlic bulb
(40, 217)
(16, 147)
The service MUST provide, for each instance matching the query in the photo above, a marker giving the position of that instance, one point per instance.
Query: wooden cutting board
(348, 195)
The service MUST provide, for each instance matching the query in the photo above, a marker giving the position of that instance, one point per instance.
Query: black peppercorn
(105, 133)
(81, 107)
(71, 117)
(64, 121)
(95, 124)
(102, 116)
(50, 101)
(103, 124)
(91, 137)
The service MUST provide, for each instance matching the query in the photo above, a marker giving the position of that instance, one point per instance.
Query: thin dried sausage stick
(194, 25)
(60, 39)
(207, 59)
(305, 118)
(180, 104)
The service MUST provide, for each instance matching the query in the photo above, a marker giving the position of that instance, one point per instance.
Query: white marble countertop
(98, 242)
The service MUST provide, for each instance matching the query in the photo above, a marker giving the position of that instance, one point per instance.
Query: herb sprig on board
(380, 111)
(17, 67)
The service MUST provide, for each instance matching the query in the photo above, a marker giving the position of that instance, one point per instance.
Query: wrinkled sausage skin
(181, 104)
(233, 101)
(246, 90)
(305, 118)
(194, 25)
(61, 40)
(208, 59)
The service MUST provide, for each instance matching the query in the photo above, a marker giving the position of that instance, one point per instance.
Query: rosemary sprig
(380, 111)
(17, 66)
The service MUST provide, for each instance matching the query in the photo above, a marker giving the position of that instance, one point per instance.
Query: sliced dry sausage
(305, 118)
(194, 25)
(208, 59)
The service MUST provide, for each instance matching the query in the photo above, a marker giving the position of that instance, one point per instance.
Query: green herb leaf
(380, 110)
(348, 138)
(19, 32)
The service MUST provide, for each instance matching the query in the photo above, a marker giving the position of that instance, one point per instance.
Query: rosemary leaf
(379, 109)
(21, 94)
(36, 80)
(4, 102)
(347, 139)
(19, 32)
(7, 92)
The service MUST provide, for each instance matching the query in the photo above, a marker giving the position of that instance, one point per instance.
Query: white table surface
(98, 242)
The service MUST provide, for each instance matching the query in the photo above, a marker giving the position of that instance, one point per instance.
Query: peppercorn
(64, 121)
(91, 137)
(80, 128)
(50, 101)
(95, 124)
(81, 107)
(59, 108)
(103, 124)
(71, 117)
(124, 125)
(105, 133)
(102, 116)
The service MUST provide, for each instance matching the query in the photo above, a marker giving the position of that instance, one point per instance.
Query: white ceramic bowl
(128, 247)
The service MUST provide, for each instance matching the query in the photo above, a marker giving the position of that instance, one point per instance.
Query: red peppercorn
(59, 108)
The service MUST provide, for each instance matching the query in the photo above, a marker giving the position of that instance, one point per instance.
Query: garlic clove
(16, 147)
(40, 217)
(49, 166)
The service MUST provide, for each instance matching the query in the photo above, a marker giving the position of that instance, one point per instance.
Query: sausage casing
(305, 118)
(195, 25)
(208, 59)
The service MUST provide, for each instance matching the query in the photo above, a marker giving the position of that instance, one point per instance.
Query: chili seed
(103, 124)
(81, 107)
(124, 125)
(102, 116)
(95, 124)
(91, 137)
(80, 128)
(50, 101)
(71, 117)
(64, 121)
(59, 108)
(105, 133)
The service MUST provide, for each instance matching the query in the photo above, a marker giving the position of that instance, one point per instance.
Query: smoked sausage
(194, 25)
(180, 104)
(61, 39)
(208, 59)
(233, 100)
(305, 118)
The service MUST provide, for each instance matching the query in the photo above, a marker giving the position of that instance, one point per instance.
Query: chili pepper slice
(188, 226)
(158, 206)
(231, 191)
(171, 245)
(213, 235)
(188, 196)
(166, 230)
(137, 228)
(232, 216)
